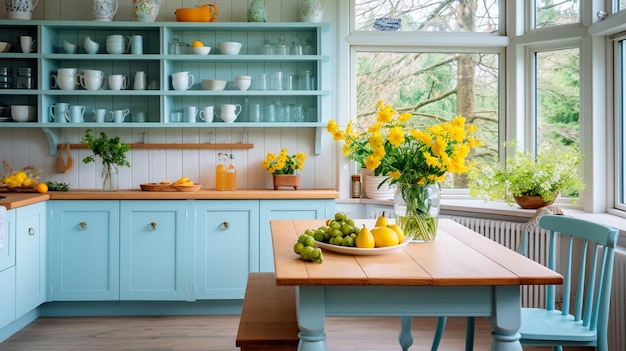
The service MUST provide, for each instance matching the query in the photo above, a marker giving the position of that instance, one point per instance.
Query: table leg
(507, 319)
(405, 338)
(311, 316)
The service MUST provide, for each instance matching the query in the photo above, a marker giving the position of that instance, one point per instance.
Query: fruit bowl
(194, 187)
(201, 50)
(347, 250)
(157, 187)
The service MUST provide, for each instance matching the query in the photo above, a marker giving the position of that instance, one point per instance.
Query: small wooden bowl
(195, 187)
(22, 189)
(157, 187)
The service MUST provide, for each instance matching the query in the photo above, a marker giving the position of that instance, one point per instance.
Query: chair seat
(541, 324)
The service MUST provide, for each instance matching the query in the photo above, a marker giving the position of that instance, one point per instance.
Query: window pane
(621, 100)
(428, 15)
(434, 87)
(550, 13)
(557, 96)
(620, 5)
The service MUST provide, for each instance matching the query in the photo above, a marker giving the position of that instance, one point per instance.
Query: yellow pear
(396, 228)
(381, 221)
(365, 239)
(385, 236)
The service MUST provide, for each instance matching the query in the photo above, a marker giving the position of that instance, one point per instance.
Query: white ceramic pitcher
(104, 10)
(20, 9)
(310, 10)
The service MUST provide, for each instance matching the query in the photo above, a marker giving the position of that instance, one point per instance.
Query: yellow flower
(396, 136)
(283, 163)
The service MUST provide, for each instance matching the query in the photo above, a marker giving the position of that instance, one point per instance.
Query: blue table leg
(507, 319)
(405, 338)
(311, 316)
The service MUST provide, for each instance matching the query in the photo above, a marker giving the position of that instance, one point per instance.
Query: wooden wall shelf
(173, 146)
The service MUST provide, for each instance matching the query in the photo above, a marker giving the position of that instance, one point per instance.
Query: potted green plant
(529, 181)
(284, 168)
(112, 153)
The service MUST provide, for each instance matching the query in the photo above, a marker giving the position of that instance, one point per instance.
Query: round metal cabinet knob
(152, 226)
(225, 225)
(82, 225)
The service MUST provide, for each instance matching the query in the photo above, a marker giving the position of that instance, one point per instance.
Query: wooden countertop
(14, 200)
(458, 256)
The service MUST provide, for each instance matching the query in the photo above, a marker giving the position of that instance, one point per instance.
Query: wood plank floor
(217, 333)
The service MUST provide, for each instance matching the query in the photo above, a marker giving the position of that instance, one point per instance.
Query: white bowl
(23, 113)
(213, 84)
(201, 50)
(69, 47)
(230, 48)
(4, 46)
(243, 82)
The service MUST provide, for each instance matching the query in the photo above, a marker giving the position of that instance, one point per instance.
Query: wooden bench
(268, 316)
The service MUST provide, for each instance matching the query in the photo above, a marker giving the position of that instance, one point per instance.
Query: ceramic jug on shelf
(146, 10)
(310, 10)
(20, 9)
(104, 10)
(256, 12)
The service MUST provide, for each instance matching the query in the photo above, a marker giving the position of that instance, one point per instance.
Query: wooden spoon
(60, 164)
(70, 161)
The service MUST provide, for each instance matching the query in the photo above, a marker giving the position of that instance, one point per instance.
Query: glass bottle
(220, 172)
(231, 174)
(267, 48)
(281, 47)
(296, 47)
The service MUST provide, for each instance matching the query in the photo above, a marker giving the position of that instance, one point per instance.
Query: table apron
(409, 301)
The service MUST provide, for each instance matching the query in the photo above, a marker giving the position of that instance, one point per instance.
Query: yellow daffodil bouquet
(283, 163)
(411, 158)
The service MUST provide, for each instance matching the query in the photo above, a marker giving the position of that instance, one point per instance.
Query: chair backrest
(591, 290)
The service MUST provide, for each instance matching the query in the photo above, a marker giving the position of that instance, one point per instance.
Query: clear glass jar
(26, 78)
(6, 78)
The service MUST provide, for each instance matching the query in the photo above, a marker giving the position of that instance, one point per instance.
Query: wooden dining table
(460, 273)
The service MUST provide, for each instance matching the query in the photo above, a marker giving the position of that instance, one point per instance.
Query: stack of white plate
(385, 192)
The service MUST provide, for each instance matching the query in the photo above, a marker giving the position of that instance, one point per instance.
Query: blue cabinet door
(226, 247)
(7, 244)
(153, 250)
(30, 258)
(84, 250)
(286, 209)
(7, 297)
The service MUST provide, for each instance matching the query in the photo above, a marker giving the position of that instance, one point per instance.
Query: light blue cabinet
(227, 244)
(84, 248)
(286, 209)
(30, 257)
(7, 271)
(153, 250)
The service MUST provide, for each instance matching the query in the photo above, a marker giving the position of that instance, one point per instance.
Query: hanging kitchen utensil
(70, 161)
(60, 163)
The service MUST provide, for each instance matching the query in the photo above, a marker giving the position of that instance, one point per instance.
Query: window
(557, 96)
(620, 97)
(549, 13)
(427, 15)
(433, 87)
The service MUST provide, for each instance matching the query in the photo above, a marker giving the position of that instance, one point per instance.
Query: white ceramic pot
(146, 10)
(104, 10)
(20, 9)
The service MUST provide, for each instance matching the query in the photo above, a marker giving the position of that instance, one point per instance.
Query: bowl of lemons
(198, 48)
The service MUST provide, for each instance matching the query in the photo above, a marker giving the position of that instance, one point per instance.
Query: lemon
(41, 188)
(396, 228)
(29, 182)
(384, 236)
(197, 44)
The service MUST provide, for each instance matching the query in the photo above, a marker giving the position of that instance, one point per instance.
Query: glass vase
(416, 210)
(109, 177)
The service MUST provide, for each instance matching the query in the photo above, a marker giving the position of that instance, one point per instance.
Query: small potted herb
(112, 153)
(530, 181)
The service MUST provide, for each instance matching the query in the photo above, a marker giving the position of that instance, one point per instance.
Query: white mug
(26, 43)
(100, 115)
(206, 114)
(75, 113)
(182, 80)
(140, 80)
(118, 116)
(118, 82)
(65, 81)
(190, 114)
(57, 112)
(92, 82)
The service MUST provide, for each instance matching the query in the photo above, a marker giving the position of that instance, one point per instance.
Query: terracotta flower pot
(532, 202)
(286, 180)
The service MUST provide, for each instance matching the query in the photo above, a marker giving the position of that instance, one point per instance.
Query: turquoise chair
(587, 298)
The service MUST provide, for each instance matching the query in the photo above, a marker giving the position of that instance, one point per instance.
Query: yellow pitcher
(202, 13)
